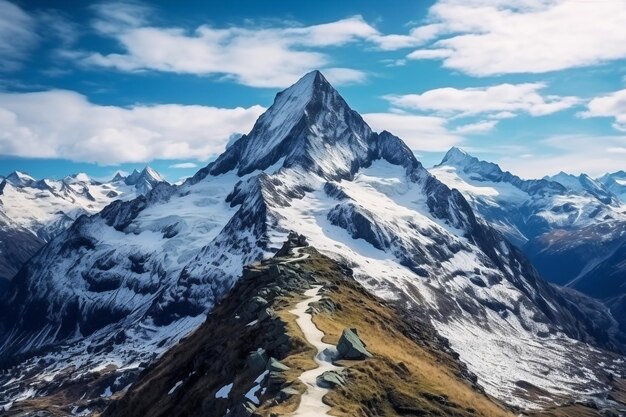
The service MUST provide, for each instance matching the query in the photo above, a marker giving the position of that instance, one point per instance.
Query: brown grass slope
(413, 372)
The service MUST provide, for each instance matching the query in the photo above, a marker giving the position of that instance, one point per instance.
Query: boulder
(257, 360)
(255, 304)
(351, 347)
(286, 393)
(275, 271)
(275, 366)
(275, 380)
(331, 379)
(265, 314)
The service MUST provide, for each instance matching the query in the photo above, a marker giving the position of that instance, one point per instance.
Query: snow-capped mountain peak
(143, 181)
(309, 125)
(79, 178)
(457, 156)
(523, 209)
(147, 174)
(20, 179)
(583, 183)
(616, 183)
(118, 177)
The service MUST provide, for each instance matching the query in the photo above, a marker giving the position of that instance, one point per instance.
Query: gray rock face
(351, 346)
(286, 393)
(274, 365)
(242, 410)
(257, 360)
(331, 379)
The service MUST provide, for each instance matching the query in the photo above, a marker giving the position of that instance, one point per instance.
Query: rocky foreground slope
(247, 358)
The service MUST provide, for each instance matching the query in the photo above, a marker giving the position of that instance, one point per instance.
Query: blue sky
(535, 85)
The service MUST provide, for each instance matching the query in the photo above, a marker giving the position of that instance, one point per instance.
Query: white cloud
(489, 37)
(259, 57)
(484, 126)
(17, 36)
(421, 133)
(184, 165)
(64, 124)
(612, 105)
(344, 76)
(500, 100)
(594, 155)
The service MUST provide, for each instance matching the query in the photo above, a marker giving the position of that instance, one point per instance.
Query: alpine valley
(315, 258)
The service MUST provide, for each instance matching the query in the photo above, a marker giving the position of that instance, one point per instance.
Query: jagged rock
(275, 271)
(331, 379)
(255, 304)
(276, 380)
(350, 346)
(242, 410)
(274, 365)
(286, 393)
(294, 240)
(252, 272)
(257, 360)
(327, 305)
(265, 314)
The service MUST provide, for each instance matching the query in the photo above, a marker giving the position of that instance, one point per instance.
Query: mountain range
(32, 211)
(572, 228)
(104, 298)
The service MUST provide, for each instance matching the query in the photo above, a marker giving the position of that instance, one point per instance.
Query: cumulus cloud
(490, 37)
(501, 100)
(65, 124)
(421, 133)
(17, 36)
(612, 105)
(259, 57)
(481, 127)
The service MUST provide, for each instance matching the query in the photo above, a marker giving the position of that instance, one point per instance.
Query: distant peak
(145, 176)
(19, 178)
(456, 156)
(19, 174)
(118, 177)
(149, 172)
(79, 177)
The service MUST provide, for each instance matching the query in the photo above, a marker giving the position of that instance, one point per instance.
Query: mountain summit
(128, 283)
(309, 125)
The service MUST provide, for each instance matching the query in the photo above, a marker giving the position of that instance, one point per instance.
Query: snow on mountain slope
(524, 209)
(585, 184)
(570, 227)
(17, 245)
(120, 287)
(616, 183)
(46, 207)
(34, 211)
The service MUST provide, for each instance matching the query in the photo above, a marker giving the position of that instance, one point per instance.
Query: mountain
(17, 245)
(616, 183)
(585, 184)
(410, 371)
(581, 238)
(110, 294)
(34, 211)
(143, 181)
(525, 209)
